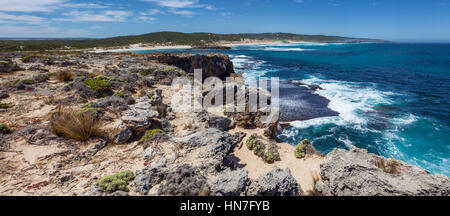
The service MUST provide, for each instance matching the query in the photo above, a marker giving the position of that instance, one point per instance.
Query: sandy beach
(142, 47)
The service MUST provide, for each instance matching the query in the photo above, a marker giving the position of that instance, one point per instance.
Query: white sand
(140, 47)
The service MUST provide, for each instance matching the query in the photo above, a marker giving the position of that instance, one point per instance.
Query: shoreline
(141, 47)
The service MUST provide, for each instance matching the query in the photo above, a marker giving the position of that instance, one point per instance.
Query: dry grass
(188, 126)
(390, 166)
(65, 76)
(314, 191)
(78, 126)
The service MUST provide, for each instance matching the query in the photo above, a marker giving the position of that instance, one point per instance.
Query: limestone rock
(147, 178)
(354, 173)
(214, 64)
(230, 183)
(277, 182)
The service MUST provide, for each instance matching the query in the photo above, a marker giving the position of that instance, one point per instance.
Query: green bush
(89, 107)
(6, 105)
(115, 182)
(149, 134)
(4, 129)
(121, 95)
(300, 150)
(98, 85)
(251, 141)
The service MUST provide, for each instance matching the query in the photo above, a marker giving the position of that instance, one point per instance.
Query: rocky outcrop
(138, 117)
(184, 181)
(216, 64)
(147, 178)
(215, 144)
(230, 183)
(214, 121)
(277, 182)
(357, 173)
(8, 66)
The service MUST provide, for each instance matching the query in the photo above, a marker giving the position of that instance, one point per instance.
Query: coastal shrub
(314, 191)
(121, 95)
(89, 107)
(74, 125)
(300, 150)
(115, 182)
(65, 76)
(108, 78)
(6, 105)
(149, 134)
(4, 129)
(98, 85)
(390, 166)
(33, 58)
(251, 141)
(28, 58)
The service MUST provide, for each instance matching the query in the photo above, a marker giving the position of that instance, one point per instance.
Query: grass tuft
(390, 166)
(75, 125)
(314, 191)
(65, 76)
(4, 129)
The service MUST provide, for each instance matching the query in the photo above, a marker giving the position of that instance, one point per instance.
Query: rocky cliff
(215, 64)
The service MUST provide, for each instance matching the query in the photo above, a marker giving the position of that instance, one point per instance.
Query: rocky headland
(75, 123)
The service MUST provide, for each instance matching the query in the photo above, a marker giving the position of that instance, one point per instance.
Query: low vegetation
(314, 191)
(99, 85)
(300, 150)
(4, 129)
(6, 105)
(390, 166)
(116, 182)
(75, 125)
(160, 38)
(265, 151)
(65, 76)
(149, 135)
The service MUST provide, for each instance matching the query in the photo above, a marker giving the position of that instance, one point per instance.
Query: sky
(395, 20)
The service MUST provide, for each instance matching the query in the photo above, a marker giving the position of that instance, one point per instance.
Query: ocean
(389, 98)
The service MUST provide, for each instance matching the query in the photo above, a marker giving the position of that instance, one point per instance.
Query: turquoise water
(392, 99)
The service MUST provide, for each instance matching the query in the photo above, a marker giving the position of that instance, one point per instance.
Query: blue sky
(397, 20)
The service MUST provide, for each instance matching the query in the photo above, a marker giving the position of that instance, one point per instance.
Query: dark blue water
(392, 99)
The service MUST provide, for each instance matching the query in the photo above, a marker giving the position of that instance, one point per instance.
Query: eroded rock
(278, 182)
(354, 173)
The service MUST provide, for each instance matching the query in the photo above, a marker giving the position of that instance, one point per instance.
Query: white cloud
(181, 4)
(44, 5)
(9, 18)
(30, 5)
(186, 13)
(42, 31)
(88, 16)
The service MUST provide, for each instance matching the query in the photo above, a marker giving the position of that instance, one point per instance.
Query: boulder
(140, 114)
(230, 183)
(147, 178)
(184, 181)
(214, 121)
(8, 66)
(356, 173)
(277, 182)
(123, 135)
(216, 146)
